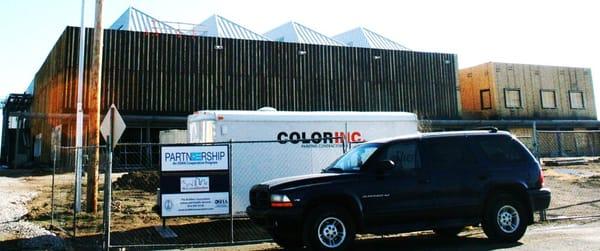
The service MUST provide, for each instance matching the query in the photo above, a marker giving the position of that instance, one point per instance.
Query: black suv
(439, 181)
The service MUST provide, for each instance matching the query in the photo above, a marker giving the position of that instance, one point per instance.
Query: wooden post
(94, 113)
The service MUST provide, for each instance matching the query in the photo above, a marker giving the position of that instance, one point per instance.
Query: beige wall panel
(472, 81)
(591, 99)
(562, 93)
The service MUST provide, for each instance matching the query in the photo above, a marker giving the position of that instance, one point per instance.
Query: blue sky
(535, 32)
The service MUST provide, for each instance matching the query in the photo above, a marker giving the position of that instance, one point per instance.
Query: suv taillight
(541, 178)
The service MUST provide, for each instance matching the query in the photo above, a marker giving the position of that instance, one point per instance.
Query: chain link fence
(135, 220)
(568, 143)
(69, 198)
(135, 209)
(554, 143)
(571, 164)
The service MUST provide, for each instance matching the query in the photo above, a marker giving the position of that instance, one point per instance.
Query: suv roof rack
(488, 128)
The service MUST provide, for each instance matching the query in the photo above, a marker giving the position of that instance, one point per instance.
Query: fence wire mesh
(136, 222)
(571, 164)
(70, 215)
(568, 143)
(135, 219)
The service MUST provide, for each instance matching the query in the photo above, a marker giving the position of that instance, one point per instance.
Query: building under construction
(157, 74)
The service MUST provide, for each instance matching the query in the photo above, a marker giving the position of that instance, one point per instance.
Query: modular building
(521, 91)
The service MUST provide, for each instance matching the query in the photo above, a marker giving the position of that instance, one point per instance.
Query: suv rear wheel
(329, 228)
(505, 219)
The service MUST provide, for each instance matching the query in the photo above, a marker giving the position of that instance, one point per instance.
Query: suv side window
(500, 149)
(404, 154)
(446, 153)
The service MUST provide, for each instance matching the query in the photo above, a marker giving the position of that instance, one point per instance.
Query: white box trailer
(301, 141)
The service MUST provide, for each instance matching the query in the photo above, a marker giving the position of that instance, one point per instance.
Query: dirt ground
(575, 192)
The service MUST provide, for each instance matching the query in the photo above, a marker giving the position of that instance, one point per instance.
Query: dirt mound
(147, 181)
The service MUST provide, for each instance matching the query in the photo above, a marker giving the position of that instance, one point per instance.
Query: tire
(329, 228)
(450, 232)
(505, 219)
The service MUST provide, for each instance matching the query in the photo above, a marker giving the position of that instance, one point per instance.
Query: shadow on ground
(430, 242)
(25, 172)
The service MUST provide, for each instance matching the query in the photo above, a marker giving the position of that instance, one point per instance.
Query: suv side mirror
(384, 165)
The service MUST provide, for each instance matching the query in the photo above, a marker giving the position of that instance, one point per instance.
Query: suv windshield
(353, 160)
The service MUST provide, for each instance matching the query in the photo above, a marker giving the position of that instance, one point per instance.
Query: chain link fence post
(107, 194)
(230, 190)
(535, 142)
(53, 177)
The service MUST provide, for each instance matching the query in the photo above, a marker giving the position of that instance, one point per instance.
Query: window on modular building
(512, 98)
(548, 99)
(485, 97)
(576, 99)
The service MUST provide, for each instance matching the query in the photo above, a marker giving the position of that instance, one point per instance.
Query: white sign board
(194, 158)
(188, 204)
(194, 184)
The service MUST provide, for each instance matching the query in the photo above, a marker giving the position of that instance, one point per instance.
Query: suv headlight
(280, 200)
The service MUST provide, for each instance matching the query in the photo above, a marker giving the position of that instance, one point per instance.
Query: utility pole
(94, 112)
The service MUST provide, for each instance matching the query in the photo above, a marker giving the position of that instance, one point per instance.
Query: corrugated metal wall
(176, 75)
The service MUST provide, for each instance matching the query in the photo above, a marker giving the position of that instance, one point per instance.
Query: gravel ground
(575, 193)
(575, 190)
(13, 206)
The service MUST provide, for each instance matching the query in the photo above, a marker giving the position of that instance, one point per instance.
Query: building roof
(136, 20)
(296, 33)
(362, 37)
(218, 26)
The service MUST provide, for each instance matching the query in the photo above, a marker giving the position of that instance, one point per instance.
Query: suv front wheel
(329, 228)
(505, 219)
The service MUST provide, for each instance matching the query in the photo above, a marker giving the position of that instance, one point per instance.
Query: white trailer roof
(230, 115)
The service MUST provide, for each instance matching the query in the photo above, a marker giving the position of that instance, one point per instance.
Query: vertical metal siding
(161, 74)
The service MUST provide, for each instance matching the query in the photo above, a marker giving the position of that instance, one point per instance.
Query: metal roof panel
(362, 37)
(135, 20)
(296, 33)
(218, 26)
